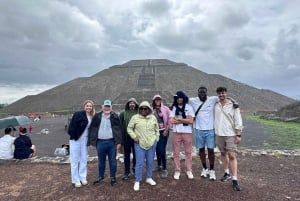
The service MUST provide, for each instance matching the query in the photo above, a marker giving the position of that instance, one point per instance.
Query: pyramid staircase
(146, 89)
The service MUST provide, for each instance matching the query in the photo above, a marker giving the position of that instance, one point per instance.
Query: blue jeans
(161, 151)
(107, 148)
(128, 148)
(142, 154)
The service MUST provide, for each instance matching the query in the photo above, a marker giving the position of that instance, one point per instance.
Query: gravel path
(254, 135)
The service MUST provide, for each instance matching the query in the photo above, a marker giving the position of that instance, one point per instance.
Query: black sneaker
(113, 181)
(98, 180)
(226, 177)
(235, 185)
(125, 176)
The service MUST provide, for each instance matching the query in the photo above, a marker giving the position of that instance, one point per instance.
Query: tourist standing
(143, 129)
(182, 117)
(78, 131)
(203, 107)
(106, 135)
(131, 108)
(228, 128)
(162, 113)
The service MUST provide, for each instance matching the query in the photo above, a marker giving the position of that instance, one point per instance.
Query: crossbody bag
(196, 113)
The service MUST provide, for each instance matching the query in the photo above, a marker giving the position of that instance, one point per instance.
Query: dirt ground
(261, 177)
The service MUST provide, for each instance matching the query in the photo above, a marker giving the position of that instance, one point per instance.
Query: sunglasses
(143, 108)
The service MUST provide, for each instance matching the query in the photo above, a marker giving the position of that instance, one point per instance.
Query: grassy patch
(286, 135)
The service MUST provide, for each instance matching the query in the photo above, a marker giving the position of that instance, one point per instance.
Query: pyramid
(142, 79)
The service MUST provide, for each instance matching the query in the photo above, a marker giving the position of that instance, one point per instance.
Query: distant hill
(143, 79)
(290, 111)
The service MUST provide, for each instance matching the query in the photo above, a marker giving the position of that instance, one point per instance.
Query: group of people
(143, 131)
(16, 147)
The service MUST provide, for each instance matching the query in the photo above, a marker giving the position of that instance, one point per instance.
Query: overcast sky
(46, 43)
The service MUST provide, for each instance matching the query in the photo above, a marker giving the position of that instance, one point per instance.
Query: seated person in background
(23, 146)
(7, 143)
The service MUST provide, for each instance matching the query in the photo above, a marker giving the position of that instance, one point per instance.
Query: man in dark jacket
(105, 133)
(131, 108)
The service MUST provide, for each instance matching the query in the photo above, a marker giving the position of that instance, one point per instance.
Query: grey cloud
(287, 47)
(51, 42)
(155, 8)
(246, 48)
(234, 18)
(47, 35)
(245, 54)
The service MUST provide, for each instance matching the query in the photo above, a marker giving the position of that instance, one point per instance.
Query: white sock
(234, 178)
(227, 171)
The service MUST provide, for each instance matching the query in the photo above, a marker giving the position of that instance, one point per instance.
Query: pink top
(165, 111)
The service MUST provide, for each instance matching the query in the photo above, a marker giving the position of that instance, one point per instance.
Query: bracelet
(238, 135)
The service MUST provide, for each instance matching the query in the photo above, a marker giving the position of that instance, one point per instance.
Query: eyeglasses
(143, 108)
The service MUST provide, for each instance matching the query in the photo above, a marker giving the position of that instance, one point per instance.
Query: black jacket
(77, 125)
(22, 147)
(116, 126)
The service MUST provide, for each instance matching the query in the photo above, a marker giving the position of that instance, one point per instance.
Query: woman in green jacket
(143, 129)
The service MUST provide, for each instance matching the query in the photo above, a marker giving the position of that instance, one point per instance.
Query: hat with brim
(107, 103)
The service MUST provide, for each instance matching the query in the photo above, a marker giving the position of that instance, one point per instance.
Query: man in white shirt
(228, 128)
(204, 129)
(7, 143)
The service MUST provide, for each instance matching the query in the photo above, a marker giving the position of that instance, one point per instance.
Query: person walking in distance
(131, 108)
(228, 129)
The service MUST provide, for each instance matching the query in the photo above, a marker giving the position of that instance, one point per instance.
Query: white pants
(78, 159)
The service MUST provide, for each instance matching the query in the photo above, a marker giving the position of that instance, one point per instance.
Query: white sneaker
(77, 185)
(212, 175)
(204, 173)
(190, 175)
(150, 181)
(176, 175)
(136, 186)
(84, 183)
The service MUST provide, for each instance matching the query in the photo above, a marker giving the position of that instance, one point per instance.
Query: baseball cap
(107, 103)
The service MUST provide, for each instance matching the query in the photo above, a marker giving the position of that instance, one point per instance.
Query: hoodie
(164, 111)
(144, 128)
(126, 115)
